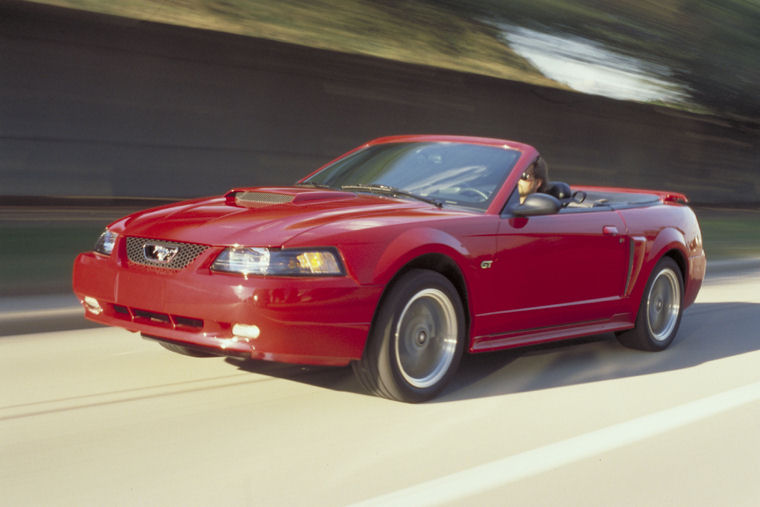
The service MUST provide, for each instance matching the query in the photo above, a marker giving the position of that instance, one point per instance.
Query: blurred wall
(92, 105)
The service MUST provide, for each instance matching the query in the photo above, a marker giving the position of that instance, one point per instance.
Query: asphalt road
(102, 417)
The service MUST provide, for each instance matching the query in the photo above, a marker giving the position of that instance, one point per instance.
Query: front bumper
(300, 320)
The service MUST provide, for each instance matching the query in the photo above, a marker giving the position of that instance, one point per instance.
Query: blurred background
(107, 107)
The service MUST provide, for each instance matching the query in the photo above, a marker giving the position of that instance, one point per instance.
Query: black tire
(660, 309)
(416, 341)
(185, 351)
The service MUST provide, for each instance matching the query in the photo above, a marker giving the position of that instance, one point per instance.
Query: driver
(534, 179)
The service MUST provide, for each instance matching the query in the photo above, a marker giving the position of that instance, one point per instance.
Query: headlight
(106, 242)
(287, 262)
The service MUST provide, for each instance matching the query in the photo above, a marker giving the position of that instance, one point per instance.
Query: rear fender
(669, 241)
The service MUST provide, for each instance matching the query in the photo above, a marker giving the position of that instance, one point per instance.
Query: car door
(556, 270)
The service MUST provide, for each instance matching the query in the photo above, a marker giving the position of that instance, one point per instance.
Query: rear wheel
(417, 339)
(660, 309)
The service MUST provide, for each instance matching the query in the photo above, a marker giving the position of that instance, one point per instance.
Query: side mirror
(537, 204)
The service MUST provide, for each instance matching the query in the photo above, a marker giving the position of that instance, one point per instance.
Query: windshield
(457, 174)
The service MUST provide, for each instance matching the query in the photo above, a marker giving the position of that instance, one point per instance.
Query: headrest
(559, 189)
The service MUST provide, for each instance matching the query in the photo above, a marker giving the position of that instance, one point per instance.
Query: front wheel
(660, 309)
(416, 341)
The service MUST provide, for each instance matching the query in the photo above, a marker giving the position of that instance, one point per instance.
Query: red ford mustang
(396, 258)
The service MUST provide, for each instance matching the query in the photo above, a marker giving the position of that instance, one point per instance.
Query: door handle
(610, 230)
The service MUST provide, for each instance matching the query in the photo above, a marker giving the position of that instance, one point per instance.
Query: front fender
(414, 243)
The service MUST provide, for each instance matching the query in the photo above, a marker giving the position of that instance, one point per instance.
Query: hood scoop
(258, 198)
(253, 199)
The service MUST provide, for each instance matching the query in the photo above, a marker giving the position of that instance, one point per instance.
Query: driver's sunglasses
(526, 176)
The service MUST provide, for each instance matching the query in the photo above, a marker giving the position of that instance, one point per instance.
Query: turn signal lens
(92, 305)
(318, 263)
(246, 331)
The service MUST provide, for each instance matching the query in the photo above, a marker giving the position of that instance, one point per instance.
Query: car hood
(263, 216)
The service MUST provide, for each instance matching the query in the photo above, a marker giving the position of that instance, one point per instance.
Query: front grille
(162, 254)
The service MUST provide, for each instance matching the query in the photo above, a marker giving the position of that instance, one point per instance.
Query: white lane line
(461, 485)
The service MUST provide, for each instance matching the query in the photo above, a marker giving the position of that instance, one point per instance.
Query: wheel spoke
(425, 338)
(663, 304)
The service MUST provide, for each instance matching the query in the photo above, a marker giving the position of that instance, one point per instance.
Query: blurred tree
(712, 47)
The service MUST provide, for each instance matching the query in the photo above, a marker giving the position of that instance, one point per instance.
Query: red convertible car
(397, 258)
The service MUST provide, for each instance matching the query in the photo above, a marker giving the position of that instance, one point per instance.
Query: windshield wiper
(314, 185)
(392, 191)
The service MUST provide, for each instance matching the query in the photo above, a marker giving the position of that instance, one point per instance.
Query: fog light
(92, 305)
(246, 331)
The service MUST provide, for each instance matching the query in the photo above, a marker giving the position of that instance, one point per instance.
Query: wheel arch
(680, 260)
(442, 264)
(673, 253)
(414, 372)
(656, 333)
(670, 242)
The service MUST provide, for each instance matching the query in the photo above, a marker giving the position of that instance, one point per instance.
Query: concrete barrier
(92, 105)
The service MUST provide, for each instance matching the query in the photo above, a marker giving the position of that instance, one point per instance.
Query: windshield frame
(442, 173)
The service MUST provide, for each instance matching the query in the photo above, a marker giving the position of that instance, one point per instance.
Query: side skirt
(527, 337)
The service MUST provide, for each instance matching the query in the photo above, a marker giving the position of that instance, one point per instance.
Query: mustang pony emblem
(159, 253)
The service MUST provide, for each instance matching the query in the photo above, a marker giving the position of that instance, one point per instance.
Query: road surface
(102, 417)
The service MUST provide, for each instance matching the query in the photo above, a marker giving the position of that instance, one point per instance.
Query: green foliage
(412, 31)
(38, 257)
(730, 233)
(712, 47)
